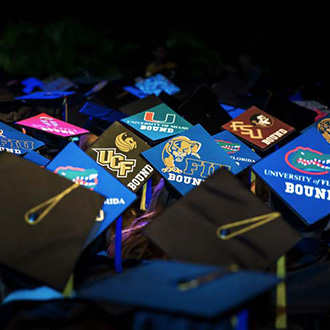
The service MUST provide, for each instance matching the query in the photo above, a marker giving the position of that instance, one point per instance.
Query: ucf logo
(125, 143)
(115, 161)
(169, 119)
(246, 130)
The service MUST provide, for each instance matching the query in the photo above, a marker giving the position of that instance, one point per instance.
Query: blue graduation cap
(76, 166)
(157, 123)
(14, 141)
(189, 158)
(36, 158)
(232, 111)
(45, 95)
(236, 149)
(180, 288)
(100, 112)
(157, 84)
(134, 91)
(299, 173)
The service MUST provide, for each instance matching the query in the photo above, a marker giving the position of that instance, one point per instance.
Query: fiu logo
(169, 119)
(15, 144)
(324, 128)
(176, 150)
(115, 161)
(308, 161)
(85, 177)
(125, 143)
(246, 130)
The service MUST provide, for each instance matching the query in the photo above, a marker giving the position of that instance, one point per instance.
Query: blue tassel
(118, 264)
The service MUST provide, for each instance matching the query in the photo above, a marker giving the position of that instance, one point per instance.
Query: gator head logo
(324, 128)
(176, 150)
(229, 147)
(308, 161)
(125, 143)
(84, 177)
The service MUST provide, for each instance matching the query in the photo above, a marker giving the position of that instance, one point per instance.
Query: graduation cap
(43, 226)
(189, 158)
(232, 110)
(157, 123)
(203, 108)
(59, 84)
(236, 149)
(14, 141)
(44, 95)
(289, 112)
(134, 91)
(73, 164)
(223, 223)
(49, 124)
(157, 84)
(140, 105)
(258, 128)
(118, 151)
(36, 158)
(101, 112)
(180, 288)
(299, 173)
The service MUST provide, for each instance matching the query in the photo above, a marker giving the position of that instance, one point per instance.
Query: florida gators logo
(176, 150)
(308, 161)
(85, 177)
(229, 147)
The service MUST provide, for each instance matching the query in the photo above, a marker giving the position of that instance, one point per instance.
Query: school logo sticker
(324, 128)
(229, 147)
(258, 128)
(85, 177)
(176, 150)
(188, 159)
(14, 141)
(115, 161)
(157, 123)
(309, 161)
(299, 173)
(125, 143)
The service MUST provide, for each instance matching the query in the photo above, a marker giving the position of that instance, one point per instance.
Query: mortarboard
(101, 112)
(46, 123)
(136, 92)
(76, 166)
(180, 288)
(221, 222)
(157, 123)
(118, 151)
(140, 105)
(43, 226)
(289, 112)
(233, 111)
(299, 173)
(36, 158)
(45, 95)
(202, 108)
(236, 149)
(258, 128)
(189, 158)
(157, 84)
(14, 141)
(59, 84)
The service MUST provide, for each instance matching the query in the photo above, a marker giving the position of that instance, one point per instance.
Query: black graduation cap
(202, 108)
(291, 113)
(43, 226)
(221, 222)
(118, 151)
(180, 288)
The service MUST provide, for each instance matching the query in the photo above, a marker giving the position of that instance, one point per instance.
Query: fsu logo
(262, 121)
(115, 161)
(308, 161)
(169, 119)
(85, 177)
(176, 150)
(125, 143)
(246, 130)
(229, 147)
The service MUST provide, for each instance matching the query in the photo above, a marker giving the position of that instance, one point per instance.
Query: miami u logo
(246, 129)
(115, 161)
(169, 119)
